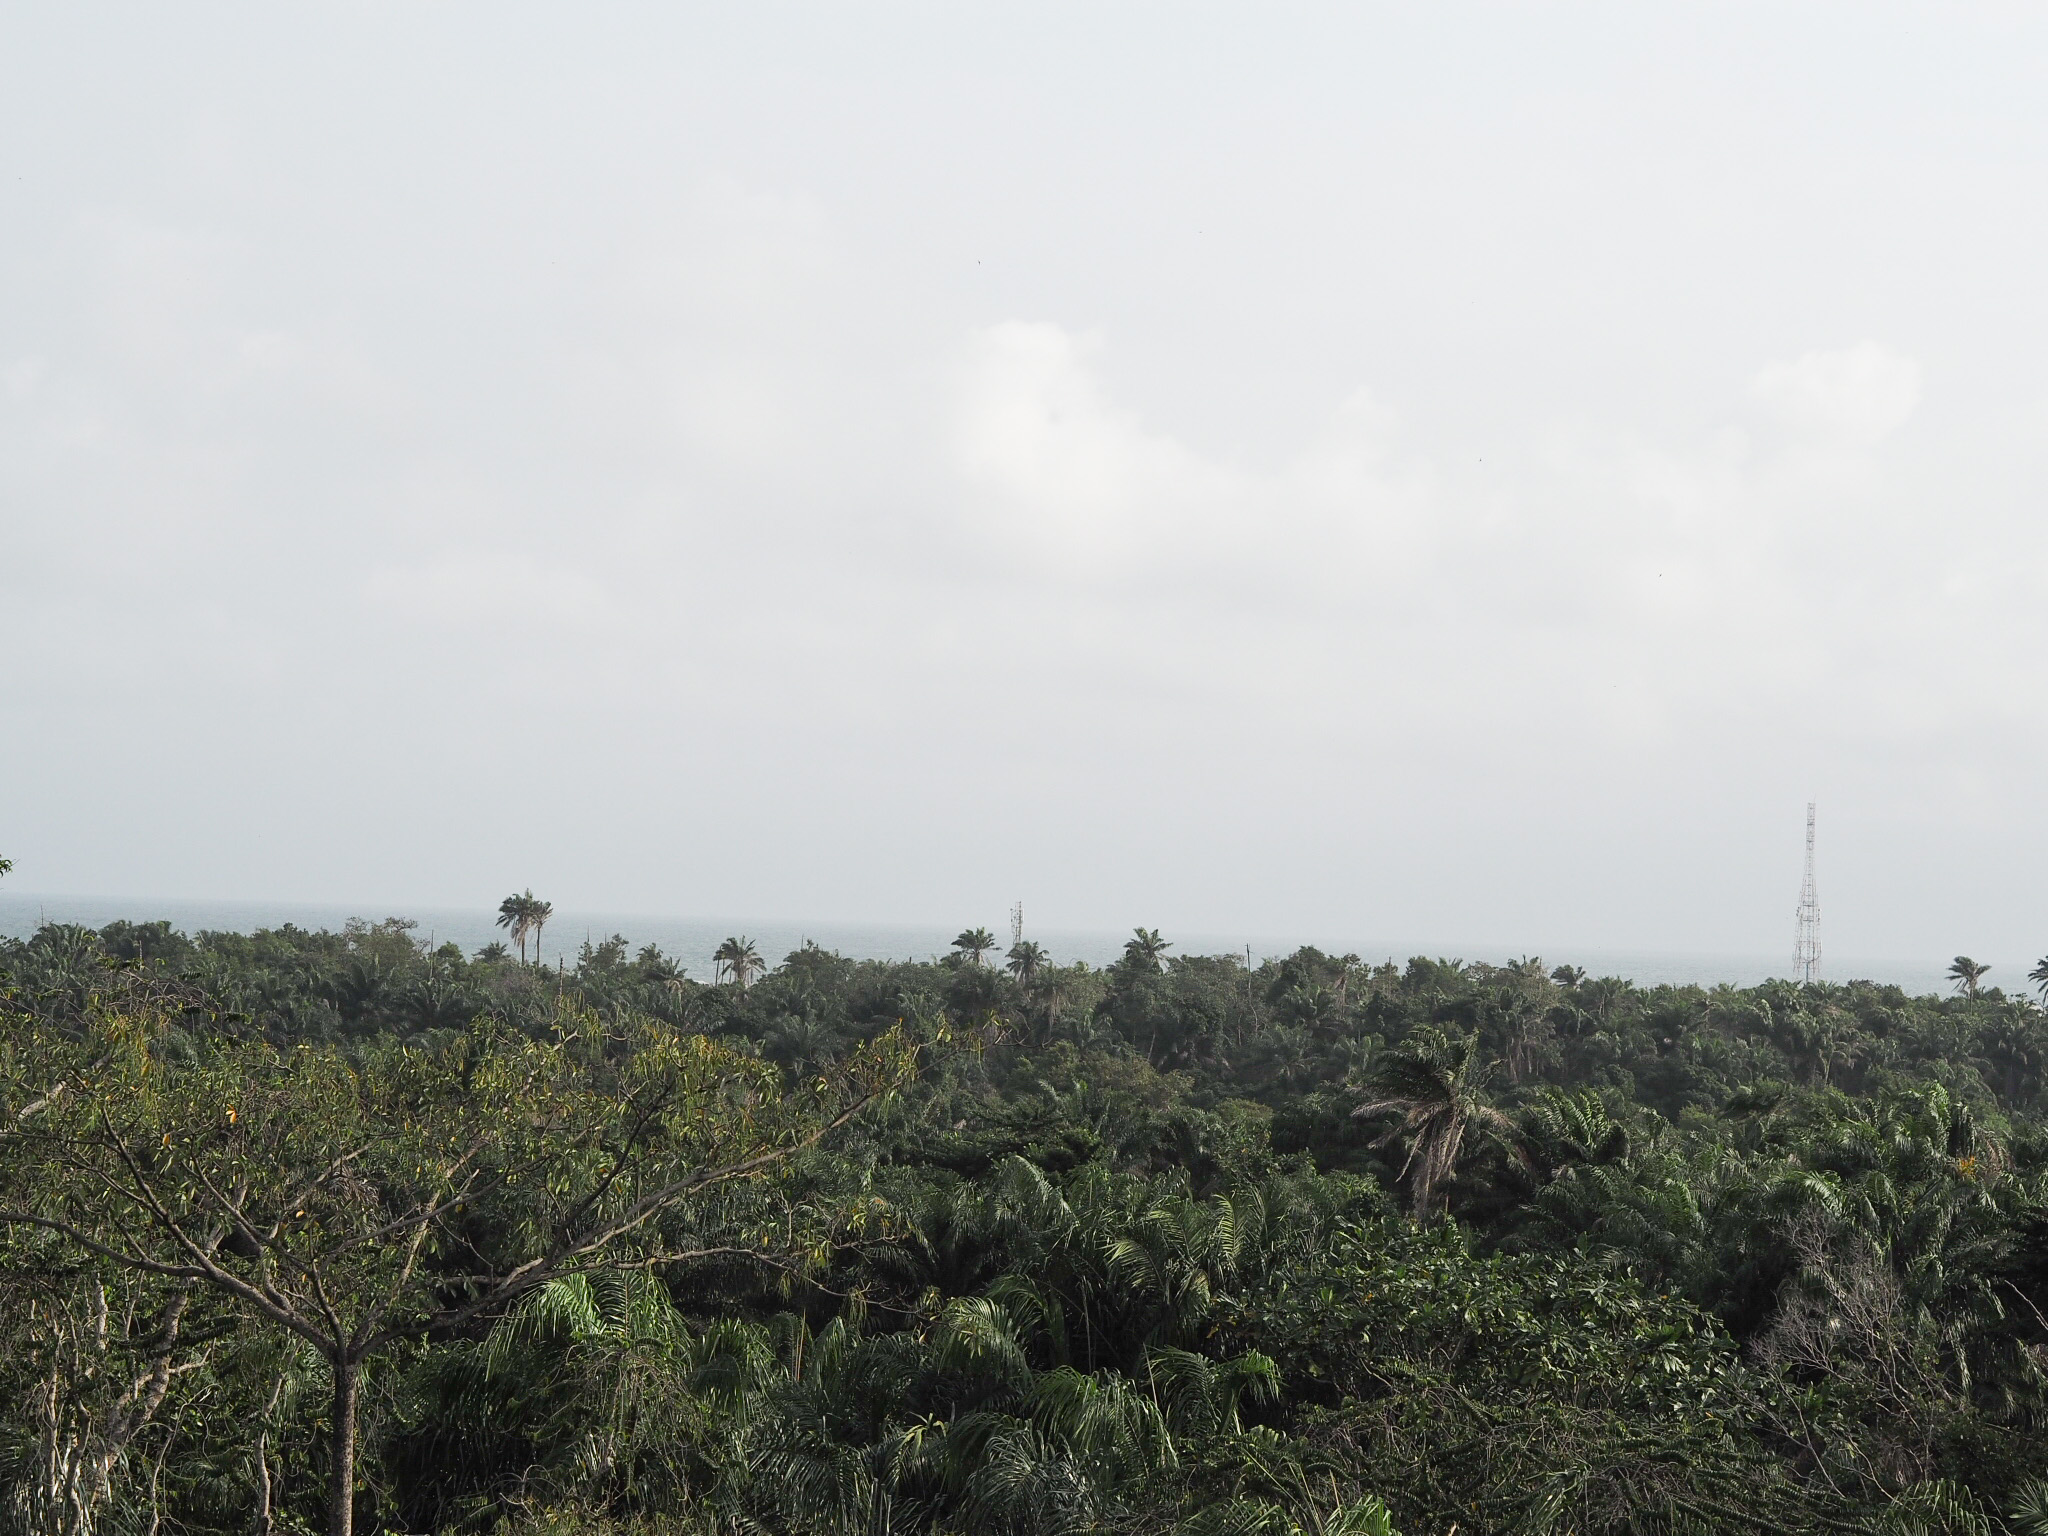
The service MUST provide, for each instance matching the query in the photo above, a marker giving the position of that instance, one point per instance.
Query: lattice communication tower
(1017, 925)
(1806, 948)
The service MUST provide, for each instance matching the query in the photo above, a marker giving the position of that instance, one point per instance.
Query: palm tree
(1146, 948)
(2028, 1512)
(1437, 1087)
(1562, 1129)
(1968, 975)
(538, 912)
(516, 913)
(1027, 959)
(2039, 977)
(1519, 1017)
(2013, 1044)
(1308, 1004)
(973, 943)
(739, 959)
(1816, 1040)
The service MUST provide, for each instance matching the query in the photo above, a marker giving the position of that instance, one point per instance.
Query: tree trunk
(341, 1470)
(261, 1525)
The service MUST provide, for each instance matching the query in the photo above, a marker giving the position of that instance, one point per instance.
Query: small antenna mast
(1806, 948)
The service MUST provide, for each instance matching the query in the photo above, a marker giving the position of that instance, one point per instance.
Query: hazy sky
(1441, 471)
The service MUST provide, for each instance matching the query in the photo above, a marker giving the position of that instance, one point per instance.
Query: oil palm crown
(738, 959)
(1968, 975)
(2027, 1514)
(2013, 1044)
(973, 943)
(1517, 1016)
(1437, 1086)
(1562, 1129)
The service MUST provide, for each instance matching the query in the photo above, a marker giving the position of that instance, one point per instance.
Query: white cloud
(1064, 478)
(1860, 393)
(1599, 589)
(1068, 479)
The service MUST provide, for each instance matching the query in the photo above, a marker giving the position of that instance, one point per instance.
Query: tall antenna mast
(1806, 948)
(1017, 925)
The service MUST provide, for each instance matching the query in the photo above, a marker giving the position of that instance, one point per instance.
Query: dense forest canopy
(343, 1231)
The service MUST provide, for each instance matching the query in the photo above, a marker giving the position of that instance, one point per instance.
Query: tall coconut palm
(1146, 948)
(1438, 1089)
(2039, 977)
(537, 913)
(973, 943)
(1968, 975)
(516, 913)
(1026, 959)
(739, 959)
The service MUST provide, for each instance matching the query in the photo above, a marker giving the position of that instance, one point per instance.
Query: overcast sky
(1469, 472)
